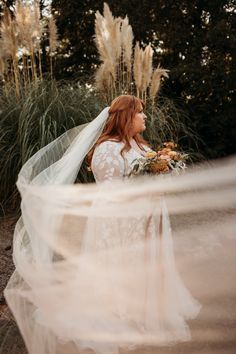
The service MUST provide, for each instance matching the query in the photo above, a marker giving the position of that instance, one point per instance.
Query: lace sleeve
(107, 162)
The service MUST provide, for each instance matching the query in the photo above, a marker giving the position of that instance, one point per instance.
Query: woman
(163, 304)
(95, 264)
(120, 142)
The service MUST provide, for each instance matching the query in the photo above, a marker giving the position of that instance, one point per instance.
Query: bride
(165, 300)
(120, 142)
(95, 264)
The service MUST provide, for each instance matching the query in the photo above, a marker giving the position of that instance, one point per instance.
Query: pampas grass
(27, 31)
(128, 69)
(53, 40)
(158, 73)
(21, 33)
(146, 66)
(114, 51)
(137, 68)
(123, 68)
(9, 45)
(34, 112)
(108, 42)
(53, 36)
(127, 43)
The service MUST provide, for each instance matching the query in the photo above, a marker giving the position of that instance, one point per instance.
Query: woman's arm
(107, 162)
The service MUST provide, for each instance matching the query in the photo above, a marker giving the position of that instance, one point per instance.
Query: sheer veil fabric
(96, 264)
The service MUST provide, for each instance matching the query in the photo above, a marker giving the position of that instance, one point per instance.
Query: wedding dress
(164, 302)
(107, 162)
(95, 263)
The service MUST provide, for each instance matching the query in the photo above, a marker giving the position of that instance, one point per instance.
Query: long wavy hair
(119, 123)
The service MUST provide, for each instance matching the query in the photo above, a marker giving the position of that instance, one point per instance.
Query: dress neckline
(136, 147)
(133, 144)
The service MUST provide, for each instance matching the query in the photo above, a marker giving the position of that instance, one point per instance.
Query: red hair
(119, 123)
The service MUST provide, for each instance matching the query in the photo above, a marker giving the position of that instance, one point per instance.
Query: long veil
(66, 294)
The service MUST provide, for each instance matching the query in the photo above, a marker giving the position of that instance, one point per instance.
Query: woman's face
(138, 125)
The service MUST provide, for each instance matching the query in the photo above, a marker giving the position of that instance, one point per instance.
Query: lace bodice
(107, 162)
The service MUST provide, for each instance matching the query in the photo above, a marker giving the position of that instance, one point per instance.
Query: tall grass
(127, 68)
(34, 114)
(167, 121)
(47, 109)
(43, 112)
(124, 68)
(22, 30)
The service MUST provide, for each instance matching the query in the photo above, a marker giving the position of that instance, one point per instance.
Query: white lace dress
(163, 303)
(107, 162)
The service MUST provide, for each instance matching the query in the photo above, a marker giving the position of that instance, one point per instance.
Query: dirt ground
(215, 335)
(10, 339)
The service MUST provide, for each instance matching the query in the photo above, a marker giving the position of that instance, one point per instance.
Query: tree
(195, 39)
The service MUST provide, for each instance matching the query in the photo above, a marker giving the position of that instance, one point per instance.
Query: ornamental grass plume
(146, 69)
(123, 67)
(108, 42)
(8, 34)
(113, 29)
(137, 67)
(158, 73)
(10, 44)
(38, 25)
(29, 31)
(142, 69)
(103, 79)
(101, 42)
(127, 43)
(38, 33)
(53, 36)
(21, 31)
(24, 26)
(114, 41)
(29, 25)
(107, 36)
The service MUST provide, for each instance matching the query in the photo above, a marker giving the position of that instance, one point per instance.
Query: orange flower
(165, 157)
(159, 166)
(151, 154)
(170, 144)
(165, 151)
(172, 154)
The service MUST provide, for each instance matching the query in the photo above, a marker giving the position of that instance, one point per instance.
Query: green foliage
(44, 111)
(195, 39)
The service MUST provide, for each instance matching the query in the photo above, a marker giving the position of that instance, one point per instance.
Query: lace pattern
(108, 163)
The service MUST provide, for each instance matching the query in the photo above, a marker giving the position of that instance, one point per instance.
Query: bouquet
(164, 160)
